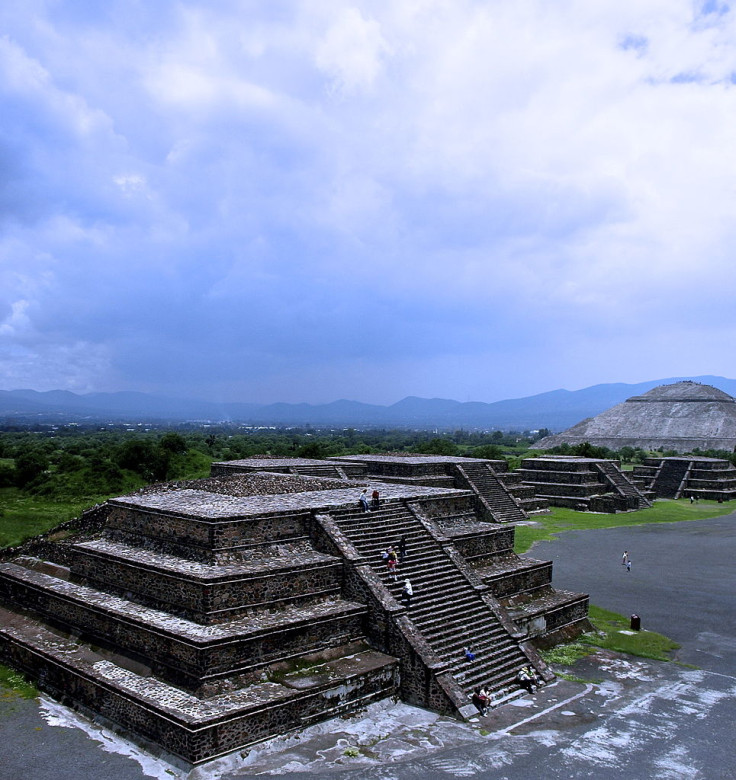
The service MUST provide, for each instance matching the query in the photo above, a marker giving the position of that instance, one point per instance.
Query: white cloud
(460, 167)
(352, 51)
(17, 321)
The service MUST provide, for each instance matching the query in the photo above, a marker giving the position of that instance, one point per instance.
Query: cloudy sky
(306, 201)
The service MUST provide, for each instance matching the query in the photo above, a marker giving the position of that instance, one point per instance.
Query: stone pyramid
(682, 417)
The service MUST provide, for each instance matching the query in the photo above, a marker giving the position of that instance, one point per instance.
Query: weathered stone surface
(211, 614)
(587, 484)
(682, 417)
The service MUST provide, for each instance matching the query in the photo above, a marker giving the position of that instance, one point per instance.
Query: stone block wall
(179, 652)
(207, 730)
(544, 625)
(207, 599)
(520, 581)
(209, 541)
(485, 545)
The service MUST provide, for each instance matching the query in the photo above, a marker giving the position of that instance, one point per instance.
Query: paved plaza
(632, 718)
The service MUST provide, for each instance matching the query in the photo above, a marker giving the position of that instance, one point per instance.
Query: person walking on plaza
(624, 557)
(628, 564)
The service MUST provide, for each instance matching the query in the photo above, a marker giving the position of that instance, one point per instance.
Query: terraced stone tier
(218, 528)
(192, 729)
(381, 466)
(303, 466)
(708, 479)
(179, 650)
(547, 476)
(511, 575)
(208, 593)
(544, 615)
(475, 539)
(550, 490)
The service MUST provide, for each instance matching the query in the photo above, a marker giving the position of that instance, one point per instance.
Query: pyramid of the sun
(682, 417)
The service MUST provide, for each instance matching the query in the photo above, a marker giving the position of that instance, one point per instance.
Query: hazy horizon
(189, 397)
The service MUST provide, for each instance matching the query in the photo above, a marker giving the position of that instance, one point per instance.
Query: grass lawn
(546, 527)
(23, 515)
(612, 632)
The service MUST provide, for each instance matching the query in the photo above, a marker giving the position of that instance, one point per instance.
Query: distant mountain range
(556, 410)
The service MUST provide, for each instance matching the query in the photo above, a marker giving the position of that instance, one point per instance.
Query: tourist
(628, 564)
(624, 557)
(407, 593)
(536, 678)
(469, 654)
(402, 549)
(374, 500)
(525, 680)
(391, 563)
(481, 700)
(363, 500)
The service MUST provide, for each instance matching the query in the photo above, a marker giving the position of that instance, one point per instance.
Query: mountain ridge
(554, 409)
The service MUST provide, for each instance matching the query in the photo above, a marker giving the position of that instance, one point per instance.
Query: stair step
(448, 612)
(181, 649)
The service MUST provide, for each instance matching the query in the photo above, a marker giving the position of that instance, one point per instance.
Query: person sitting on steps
(524, 679)
(481, 700)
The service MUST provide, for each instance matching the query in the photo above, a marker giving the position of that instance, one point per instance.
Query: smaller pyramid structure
(683, 416)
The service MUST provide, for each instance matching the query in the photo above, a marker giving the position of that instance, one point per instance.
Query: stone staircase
(497, 499)
(451, 610)
(670, 477)
(713, 479)
(622, 485)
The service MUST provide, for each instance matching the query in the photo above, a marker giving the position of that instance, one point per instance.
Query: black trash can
(635, 623)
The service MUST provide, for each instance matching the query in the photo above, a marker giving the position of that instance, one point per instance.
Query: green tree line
(71, 461)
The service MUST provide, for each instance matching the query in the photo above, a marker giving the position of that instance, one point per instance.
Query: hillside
(556, 409)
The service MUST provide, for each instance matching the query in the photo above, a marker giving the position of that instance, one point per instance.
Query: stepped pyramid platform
(502, 497)
(205, 616)
(687, 476)
(682, 416)
(306, 467)
(586, 484)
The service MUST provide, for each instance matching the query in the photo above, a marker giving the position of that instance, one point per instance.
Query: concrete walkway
(682, 581)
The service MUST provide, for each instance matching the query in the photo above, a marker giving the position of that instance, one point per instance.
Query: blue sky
(306, 201)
